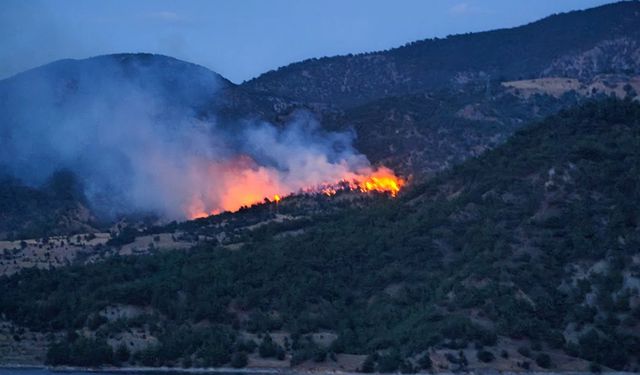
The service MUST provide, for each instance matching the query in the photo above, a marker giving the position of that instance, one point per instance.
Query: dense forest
(534, 241)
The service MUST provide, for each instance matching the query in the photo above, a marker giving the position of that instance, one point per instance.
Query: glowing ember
(232, 184)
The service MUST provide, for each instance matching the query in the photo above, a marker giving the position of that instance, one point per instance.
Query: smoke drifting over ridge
(127, 126)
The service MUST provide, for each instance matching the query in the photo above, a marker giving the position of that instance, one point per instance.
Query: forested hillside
(578, 44)
(58, 207)
(525, 257)
(418, 135)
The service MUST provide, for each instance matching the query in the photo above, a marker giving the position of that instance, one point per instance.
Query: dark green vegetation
(535, 240)
(56, 208)
(424, 133)
(548, 47)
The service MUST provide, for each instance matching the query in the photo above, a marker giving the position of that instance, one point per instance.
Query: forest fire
(383, 180)
(241, 182)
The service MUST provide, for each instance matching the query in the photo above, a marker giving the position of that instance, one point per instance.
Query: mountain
(49, 114)
(66, 80)
(430, 104)
(578, 44)
(522, 258)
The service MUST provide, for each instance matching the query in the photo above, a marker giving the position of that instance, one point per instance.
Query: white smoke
(129, 131)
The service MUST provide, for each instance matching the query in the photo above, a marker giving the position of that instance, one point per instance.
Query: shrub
(320, 355)
(425, 362)
(187, 362)
(524, 351)
(268, 348)
(247, 346)
(122, 353)
(407, 368)
(239, 360)
(485, 356)
(369, 365)
(389, 362)
(58, 354)
(543, 360)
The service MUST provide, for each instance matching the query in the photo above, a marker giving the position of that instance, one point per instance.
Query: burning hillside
(138, 148)
(242, 182)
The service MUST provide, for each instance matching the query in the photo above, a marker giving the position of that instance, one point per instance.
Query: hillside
(113, 121)
(419, 135)
(50, 113)
(578, 44)
(58, 207)
(523, 258)
(431, 104)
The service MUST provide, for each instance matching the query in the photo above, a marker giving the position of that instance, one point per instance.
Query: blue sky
(242, 38)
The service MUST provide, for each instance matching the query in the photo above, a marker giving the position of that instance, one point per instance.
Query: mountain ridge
(399, 70)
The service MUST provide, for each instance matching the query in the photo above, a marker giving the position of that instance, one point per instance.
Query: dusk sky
(241, 39)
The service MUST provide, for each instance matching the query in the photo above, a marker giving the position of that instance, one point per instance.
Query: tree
(58, 354)
(543, 360)
(485, 356)
(389, 362)
(425, 362)
(90, 352)
(320, 355)
(369, 364)
(215, 354)
(268, 348)
(122, 353)
(407, 367)
(239, 360)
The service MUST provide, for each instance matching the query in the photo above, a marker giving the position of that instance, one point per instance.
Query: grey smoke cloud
(127, 125)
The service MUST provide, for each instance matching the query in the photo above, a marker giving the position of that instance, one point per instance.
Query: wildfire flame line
(254, 186)
(387, 183)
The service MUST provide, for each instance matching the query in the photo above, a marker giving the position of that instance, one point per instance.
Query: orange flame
(230, 185)
(383, 180)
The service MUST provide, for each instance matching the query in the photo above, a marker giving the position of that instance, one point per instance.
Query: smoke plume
(127, 126)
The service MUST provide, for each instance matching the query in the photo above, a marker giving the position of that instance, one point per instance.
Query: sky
(241, 39)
